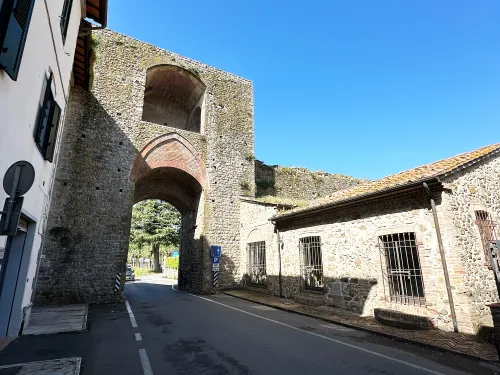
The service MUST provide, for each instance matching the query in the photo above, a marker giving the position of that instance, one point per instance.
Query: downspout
(278, 242)
(443, 259)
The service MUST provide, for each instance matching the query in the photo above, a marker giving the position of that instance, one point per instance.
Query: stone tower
(155, 125)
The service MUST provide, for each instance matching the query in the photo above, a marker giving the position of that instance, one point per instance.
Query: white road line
(325, 337)
(337, 327)
(138, 336)
(263, 308)
(146, 366)
(131, 314)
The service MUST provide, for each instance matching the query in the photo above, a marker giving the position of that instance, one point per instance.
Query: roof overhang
(434, 184)
(83, 56)
(97, 11)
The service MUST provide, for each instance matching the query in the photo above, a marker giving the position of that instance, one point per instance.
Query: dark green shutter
(12, 49)
(52, 138)
(43, 113)
(47, 121)
(66, 12)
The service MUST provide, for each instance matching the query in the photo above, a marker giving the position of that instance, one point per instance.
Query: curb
(388, 335)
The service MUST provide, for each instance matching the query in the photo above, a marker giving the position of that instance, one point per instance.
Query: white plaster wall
(19, 101)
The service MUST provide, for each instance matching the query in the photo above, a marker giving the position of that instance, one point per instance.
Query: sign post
(215, 253)
(16, 182)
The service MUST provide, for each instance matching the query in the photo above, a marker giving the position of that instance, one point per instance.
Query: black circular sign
(26, 178)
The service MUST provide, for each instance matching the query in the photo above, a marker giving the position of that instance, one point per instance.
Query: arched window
(173, 97)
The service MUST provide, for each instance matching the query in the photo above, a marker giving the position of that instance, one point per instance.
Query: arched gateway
(155, 125)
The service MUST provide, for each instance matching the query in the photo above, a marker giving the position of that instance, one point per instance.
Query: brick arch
(169, 151)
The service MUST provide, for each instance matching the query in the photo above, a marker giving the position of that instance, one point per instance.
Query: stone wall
(298, 183)
(255, 227)
(473, 189)
(352, 262)
(110, 159)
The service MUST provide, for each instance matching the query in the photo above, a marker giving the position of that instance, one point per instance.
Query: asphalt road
(188, 334)
(165, 332)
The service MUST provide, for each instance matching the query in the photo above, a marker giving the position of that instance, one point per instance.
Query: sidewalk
(65, 366)
(4, 341)
(459, 343)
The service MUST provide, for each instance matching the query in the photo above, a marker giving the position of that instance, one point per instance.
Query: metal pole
(494, 250)
(443, 260)
(279, 265)
(12, 197)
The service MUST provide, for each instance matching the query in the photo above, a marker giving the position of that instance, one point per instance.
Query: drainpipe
(278, 242)
(443, 259)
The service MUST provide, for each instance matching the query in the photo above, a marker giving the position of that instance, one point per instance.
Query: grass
(283, 201)
(143, 271)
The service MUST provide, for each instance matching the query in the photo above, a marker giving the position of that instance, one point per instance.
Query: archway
(154, 239)
(169, 169)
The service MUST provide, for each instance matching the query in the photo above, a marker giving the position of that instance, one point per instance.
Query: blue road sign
(215, 260)
(215, 251)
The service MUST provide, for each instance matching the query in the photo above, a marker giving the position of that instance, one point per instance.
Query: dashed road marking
(146, 366)
(325, 337)
(131, 314)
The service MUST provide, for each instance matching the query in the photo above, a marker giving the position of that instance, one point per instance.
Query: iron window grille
(257, 263)
(487, 231)
(311, 268)
(402, 270)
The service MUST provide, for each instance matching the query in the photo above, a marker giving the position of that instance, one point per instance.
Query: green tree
(154, 223)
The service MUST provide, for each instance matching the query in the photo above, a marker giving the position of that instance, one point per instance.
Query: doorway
(14, 264)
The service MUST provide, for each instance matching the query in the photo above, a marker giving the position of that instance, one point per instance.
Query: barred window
(257, 262)
(487, 231)
(311, 262)
(402, 271)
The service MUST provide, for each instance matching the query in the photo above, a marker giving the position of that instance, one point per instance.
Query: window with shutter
(14, 36)
(47, 122)
(66, 12)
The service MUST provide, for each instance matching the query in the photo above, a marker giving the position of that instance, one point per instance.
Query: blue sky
(364, 88)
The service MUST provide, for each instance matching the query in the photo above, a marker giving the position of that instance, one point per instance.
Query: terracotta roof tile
(401, 179)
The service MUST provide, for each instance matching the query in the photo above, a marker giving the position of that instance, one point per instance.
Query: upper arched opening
(173, 96)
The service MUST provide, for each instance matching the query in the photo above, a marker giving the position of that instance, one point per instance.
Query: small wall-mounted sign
(215, 251)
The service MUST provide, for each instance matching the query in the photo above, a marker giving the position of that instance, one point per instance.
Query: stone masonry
(298, 183)
(353, 263)
(111, 158)
(473, 189)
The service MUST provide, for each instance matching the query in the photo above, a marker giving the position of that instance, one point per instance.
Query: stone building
(154, 125)
(375, 246)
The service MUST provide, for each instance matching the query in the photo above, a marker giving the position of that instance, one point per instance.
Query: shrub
(172, 262)
(142, 271)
